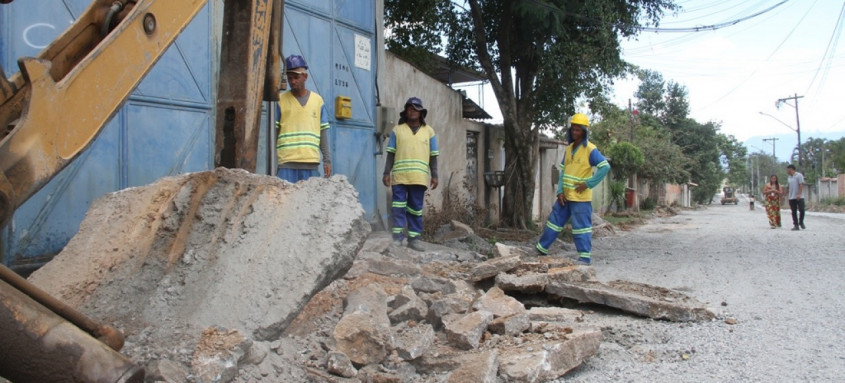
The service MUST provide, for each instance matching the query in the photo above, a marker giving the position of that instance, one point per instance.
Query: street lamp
(800, 161)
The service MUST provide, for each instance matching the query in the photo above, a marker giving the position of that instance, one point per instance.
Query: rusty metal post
(246, 31)
(273, 79)
(109, 335)
(40, 346)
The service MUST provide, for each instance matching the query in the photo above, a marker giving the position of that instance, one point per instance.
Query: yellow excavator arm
(56, 106)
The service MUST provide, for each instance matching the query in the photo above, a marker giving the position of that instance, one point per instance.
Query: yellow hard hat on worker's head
(580, 119)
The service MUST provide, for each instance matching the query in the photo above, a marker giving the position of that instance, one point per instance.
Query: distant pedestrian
(772, 194)
(796, 197)
(302, 127)
(410, 167)
(574, 190)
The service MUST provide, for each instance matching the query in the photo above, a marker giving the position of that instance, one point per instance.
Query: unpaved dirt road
(785, 290)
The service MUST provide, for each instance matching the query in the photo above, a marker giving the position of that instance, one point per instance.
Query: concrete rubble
(224, 276)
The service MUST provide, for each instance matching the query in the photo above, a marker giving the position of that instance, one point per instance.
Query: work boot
(802, 226)
(415, 244)
(795, 228)
(397, 242)
(583, 261)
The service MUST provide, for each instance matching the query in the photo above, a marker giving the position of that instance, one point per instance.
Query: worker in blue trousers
(574, 191)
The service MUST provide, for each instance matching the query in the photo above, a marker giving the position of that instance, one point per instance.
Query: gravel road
(783, 290)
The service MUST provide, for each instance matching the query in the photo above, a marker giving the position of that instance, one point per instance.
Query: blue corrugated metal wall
(167, 126)
(325, 33)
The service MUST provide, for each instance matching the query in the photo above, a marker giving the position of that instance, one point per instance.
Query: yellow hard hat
(580, 119)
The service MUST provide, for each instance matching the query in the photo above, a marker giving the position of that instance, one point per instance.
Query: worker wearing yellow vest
(574, 190)
(411, 166)
(302, 127)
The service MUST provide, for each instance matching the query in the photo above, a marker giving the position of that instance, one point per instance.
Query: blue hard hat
(295, 62)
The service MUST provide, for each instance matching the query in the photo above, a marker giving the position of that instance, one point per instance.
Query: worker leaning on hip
(574, 191)
(302, 127)
(411, 166)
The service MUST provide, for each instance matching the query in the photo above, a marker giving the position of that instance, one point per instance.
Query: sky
(736, 72)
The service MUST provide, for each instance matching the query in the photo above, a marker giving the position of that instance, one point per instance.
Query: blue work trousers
(294, 175)
(407, 210)
(582, 226)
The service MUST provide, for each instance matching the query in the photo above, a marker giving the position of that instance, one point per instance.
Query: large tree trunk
(521, 147)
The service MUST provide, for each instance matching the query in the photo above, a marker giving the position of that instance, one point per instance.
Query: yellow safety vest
(413, 151)
(577, 169)
(299, 129)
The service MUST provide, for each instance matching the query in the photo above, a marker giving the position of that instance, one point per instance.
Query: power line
(714, 26)
(832, 42)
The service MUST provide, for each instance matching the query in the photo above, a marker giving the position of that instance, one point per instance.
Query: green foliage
(617, 194)
(626, 159)
(648, 204)
(836, 162)
(840, 201)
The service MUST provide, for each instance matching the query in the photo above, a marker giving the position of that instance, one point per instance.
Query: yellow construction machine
(56, 106)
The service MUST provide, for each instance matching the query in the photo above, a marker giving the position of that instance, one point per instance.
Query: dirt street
(778, 295)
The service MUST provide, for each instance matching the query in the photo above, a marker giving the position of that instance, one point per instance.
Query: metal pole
(773, 139)
(798, 130)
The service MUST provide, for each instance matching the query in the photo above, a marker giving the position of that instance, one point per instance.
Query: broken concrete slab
(637, 298)
(544, 361)
(407, 306)
(223, 247)
(555, 314)
(482, 367)
(510, 325)
(492, 267)
(393, 267)
(526, 283)
(500, 250)
(451, 304)
(530, 266)
(339, 364)
(363, 333)
(572, 274)
(218, 352)
(433, 285)
(411, 342)
(498, 303)
(165, 371)
(465, 331)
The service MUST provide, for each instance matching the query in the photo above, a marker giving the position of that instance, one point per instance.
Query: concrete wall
(402, 81)
(841, 183)
(546, 179)
(674, 195)
(828, 188)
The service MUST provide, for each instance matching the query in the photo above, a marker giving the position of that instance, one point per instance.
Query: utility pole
(797, 124)
(773, 139)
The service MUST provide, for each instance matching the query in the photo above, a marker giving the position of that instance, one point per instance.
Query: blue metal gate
(165, 128)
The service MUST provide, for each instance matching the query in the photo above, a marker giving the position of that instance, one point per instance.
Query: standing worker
(302, 127)
(574, 190)
(410, 167)
(796, 197)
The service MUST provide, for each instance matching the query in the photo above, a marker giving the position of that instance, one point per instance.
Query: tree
(539, 57)
(625, 159)
(837, 156)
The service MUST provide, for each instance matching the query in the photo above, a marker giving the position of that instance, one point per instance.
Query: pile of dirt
(222, 249)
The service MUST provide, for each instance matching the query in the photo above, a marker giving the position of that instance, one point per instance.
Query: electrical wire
(832, 42)
(714, 26)
(757, 69)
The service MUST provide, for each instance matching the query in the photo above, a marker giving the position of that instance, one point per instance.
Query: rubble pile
(222, 252)
(452, 318)
(222, 276)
